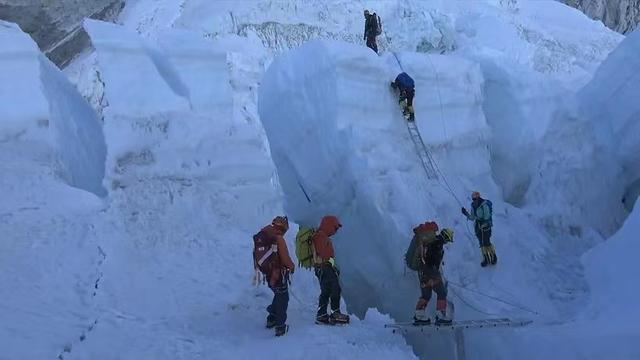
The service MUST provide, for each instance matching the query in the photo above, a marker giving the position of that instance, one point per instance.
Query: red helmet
(427, 226)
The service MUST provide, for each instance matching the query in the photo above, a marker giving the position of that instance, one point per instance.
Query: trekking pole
(495, 298)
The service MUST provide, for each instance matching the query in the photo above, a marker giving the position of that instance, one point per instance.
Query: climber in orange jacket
(279, 267)
(327, 272)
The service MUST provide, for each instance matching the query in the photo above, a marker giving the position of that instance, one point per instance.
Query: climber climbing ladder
(425, 157)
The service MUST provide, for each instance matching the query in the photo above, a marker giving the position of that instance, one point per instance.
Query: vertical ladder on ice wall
(425, 157)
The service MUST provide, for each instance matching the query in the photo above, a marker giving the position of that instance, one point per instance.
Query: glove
(465, 212)
(332, 261)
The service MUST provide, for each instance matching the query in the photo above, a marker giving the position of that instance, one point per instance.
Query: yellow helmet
(447, 234)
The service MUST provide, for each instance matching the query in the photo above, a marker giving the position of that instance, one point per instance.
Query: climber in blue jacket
(404, 83)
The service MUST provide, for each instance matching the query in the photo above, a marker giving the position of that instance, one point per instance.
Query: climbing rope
(398, 60)
(444, 127)
(301, 302)
(493, 298)
(430, 164)
(470, 305)
(445, 184)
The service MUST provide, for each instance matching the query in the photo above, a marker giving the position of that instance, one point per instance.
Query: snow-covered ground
(128, 217)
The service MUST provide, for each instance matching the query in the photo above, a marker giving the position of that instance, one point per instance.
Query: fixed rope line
(472, 306)
(447, 185)
(429, 164)
(301, 302)
(398, 60)
(494, 298)
(444, 127)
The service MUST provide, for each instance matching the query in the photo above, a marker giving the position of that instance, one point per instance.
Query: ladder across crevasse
(425, 157)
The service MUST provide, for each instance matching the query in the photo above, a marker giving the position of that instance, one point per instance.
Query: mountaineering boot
(442, 319)
(420, 316)
(486, 254)
(339, 318)
(323, 320)
(412, 116)
(419, 322)
(492, 254)
(281, 330)
(271, 321)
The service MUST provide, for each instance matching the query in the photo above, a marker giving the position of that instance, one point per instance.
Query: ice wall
(590, 146)
(177, 155)
(43, 106)
(162, 100)
(609, 102)
(609, 266)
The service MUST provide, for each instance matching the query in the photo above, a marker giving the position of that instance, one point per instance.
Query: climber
(481, 213)
(271, 257)
(429, 251)
(372, 28)
(404, 83)
(327, 272)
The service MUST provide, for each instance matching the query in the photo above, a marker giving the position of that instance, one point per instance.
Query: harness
(483, 224)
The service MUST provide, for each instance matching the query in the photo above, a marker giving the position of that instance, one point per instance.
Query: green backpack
(304, 247)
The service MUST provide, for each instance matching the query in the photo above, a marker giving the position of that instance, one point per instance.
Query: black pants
(280, 302)
(408, 94)
(329, 288)
(483, 235)
(371, 43)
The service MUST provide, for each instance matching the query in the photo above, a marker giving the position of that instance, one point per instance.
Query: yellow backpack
(304, 247)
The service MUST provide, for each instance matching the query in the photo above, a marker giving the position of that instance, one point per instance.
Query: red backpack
(265, 252)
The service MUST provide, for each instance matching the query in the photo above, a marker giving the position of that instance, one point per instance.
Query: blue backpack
(490, 205)
(405, 81)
